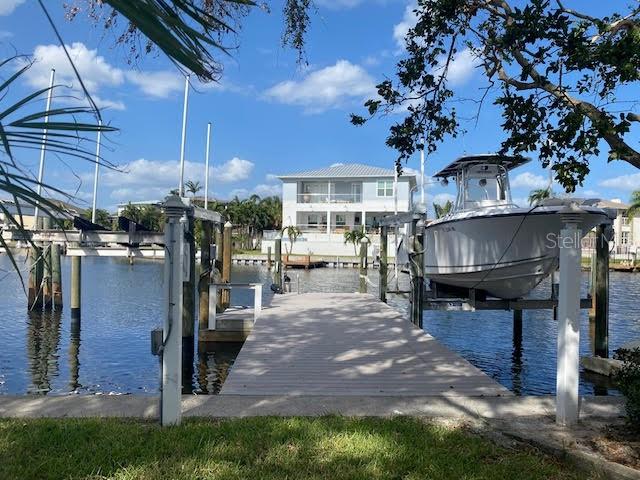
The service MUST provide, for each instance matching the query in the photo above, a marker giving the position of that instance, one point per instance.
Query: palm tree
(442, 210)
(292, 233)
(192, 187)
(354, 237)
(538, 195)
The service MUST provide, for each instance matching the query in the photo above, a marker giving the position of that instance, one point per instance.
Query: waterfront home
(626, 230)
(24, 213)
(325, 203)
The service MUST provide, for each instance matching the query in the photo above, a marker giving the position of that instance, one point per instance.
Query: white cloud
(338, 4)
(624, 182)
(94, 70)
(234, 170)
(145, 179)
(8, 6)
(271, 177)
(329, 87)
(401, 29)
(529, 180)
(266, 190)
(158, 84)
(461, 67)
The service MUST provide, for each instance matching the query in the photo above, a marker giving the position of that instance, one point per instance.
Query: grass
(261, 448)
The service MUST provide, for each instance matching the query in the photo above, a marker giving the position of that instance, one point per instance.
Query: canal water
(122, 303)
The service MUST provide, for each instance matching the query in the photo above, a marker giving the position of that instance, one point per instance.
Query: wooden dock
(348, 344)
(303, 261)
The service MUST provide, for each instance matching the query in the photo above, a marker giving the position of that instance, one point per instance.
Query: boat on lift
(489, 244)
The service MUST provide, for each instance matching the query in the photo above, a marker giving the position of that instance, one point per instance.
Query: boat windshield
(482, 186)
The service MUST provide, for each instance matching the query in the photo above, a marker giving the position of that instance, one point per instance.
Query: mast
(43, 149)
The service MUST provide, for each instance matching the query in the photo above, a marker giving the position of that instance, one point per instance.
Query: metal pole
(206, 168)
(422, 175)
(568, 369)
(170, 404)
(184, 135)
(95, 175)
(43, 149)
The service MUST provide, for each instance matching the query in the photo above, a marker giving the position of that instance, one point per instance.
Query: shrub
(628, 380)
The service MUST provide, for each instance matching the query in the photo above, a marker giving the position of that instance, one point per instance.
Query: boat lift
(565, 299)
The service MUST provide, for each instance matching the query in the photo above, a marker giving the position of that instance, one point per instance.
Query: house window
(385, 188)
(624, 238)
(340, 221)
(313, 221)
(625, 220)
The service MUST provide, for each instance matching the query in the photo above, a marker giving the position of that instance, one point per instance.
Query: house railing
(329, 198)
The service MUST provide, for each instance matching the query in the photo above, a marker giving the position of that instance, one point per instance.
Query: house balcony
(333, 198)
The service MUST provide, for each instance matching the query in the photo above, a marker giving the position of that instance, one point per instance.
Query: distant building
(626, 238)
(325, 203)
(24, 213)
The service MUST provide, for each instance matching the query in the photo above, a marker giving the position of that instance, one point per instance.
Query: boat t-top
(488, 243)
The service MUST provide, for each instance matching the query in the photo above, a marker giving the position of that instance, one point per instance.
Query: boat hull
(505, 253)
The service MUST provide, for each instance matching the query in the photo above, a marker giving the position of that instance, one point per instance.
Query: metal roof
(509, 162)
(345, 170)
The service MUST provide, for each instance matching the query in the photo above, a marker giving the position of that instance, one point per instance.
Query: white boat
(488, 243)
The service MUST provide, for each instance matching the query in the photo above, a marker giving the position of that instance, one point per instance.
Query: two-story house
(325, 203)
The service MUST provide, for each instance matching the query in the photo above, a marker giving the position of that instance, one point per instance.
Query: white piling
(176, 221)
(43, 149)
(568, 368)
(422, 175)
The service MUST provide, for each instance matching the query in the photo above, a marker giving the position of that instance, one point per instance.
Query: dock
(345, 345)
(303, 261)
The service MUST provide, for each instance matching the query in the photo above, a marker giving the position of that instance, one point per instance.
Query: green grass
(260, 448)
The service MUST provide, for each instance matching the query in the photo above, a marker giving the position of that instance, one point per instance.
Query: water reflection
(43, 337)
(214, 364)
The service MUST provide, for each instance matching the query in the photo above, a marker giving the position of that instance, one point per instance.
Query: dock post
(269, 258)
(217, 263)
(568, 368)
(277, 274)
(174, 229)
(76, 286)
(189, 302)
(226, 263)
(205, 274)
(416, 263)
(47, 290)
(382, 283)
(555, 286)
(364, 244)
(56, 276)
(34, 297)
(517, 325)
(601, 293)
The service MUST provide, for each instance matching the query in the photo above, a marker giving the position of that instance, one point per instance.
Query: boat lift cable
(513, 238)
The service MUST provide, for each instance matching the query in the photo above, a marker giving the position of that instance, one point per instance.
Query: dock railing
(213, 295)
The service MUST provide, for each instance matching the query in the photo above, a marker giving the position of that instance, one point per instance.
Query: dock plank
(348, 344)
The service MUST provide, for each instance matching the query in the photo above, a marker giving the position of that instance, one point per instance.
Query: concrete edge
(233, 406)
(584, 461)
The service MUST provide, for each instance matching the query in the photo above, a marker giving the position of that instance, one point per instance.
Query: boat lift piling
(601, 292)
(384, 264)
(364, 243)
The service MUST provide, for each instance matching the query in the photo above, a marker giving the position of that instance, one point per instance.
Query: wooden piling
(56, 276)
(384, 265)
(277, 273)
(517, 324)
(189, 286)
(47, 291)
(416, 264)
(601, 294)
(76, 286)
(205, 274)
(226, 262)
(363, 264)
(34, 297)
(217, 263)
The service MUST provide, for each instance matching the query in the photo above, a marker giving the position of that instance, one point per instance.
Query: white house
(325, 203)
(626, 230)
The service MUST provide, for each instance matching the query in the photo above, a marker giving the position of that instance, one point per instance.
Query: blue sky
(269, 115)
